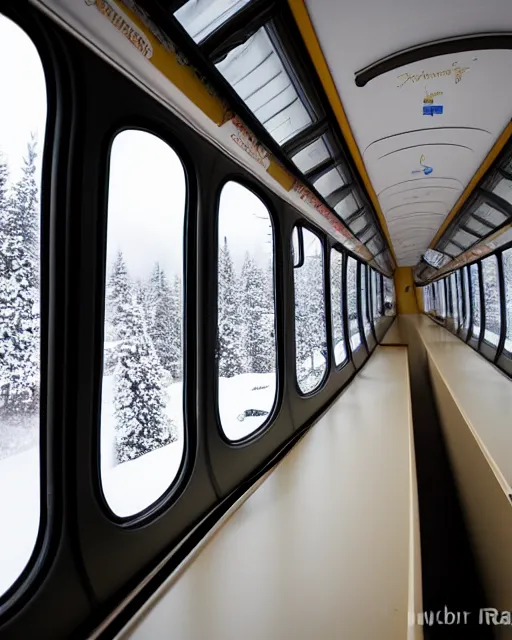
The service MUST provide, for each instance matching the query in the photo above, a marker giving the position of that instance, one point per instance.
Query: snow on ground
(132, 486)
(241, 393)
(508, 345)
(311, 372)
(19, 509)
(491, 337)
(340, 352)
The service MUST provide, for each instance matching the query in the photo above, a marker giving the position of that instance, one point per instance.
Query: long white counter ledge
(327, 547)
(474, 401)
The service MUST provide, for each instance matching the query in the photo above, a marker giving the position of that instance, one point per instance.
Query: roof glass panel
(313, 155)
(492, 215)
(507, 166)
(464, 239)
(199, 18)
(370, 231)
(452, 250)
(358, 224)
(347, 206)
(504, 189)
(375, 245)
(256, 73)
(478, 227)
(329, 182)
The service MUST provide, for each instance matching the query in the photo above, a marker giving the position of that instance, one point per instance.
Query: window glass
(475, 299)
(440, 299)
(246, 317)
(364, 301)
(460, 299)
(375, 244)
(507, 272)
(454, 304)
(504, 189)
(255, 71)
(347, 207)
(491, 215)
(452, 250)
(477, 227)
(296, 247)
(467, 303)
(491, 300)
(389, 297)
(427, 298)
(358, 224)
(313, 155)
(200, 17)
(464, 239)
(22, 130)
(352, 290)
(142, 439)
(328, 182)
(376, 295)
(310, 331)
(338, 336)
(364, 236)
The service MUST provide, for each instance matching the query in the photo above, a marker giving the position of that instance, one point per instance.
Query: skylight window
(256, 73)
(313, 155)
(504, 189)
(347, 206)
(452, 250)
(358, 224)
(199, 18)
(490, 214)
(329, 182)
(464, 239)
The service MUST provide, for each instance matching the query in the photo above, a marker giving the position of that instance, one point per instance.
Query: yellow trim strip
(301, 15)
(182, 76)
(491, 157)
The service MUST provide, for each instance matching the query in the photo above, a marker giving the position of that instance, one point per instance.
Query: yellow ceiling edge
(301, 15)
(484, 167)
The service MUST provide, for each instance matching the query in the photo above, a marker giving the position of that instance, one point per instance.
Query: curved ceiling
(425, 128)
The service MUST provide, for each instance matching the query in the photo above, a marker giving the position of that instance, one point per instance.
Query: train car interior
(255, 319)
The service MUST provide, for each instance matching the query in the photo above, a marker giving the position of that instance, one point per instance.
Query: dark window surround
(499, 357)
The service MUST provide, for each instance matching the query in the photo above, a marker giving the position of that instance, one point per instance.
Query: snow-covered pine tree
(142, 425)
(336, 303)
(257, 315)
(165, 328)
(25, 198)
(229, 326)
(19, 289)
(176, 330)
(118, 298)
(153, 291)
(309, 317)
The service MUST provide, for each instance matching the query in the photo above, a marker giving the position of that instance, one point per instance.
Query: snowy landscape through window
(22, 127)
(507, 274)
(492, 300)
(142, 437)
(310, 330)
(353, 317)
(338, 335)
(246, 349)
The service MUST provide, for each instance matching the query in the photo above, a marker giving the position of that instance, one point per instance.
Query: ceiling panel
(423, 129)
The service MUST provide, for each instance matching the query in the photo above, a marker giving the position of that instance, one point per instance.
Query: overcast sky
(23, 99)
(147, 182)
